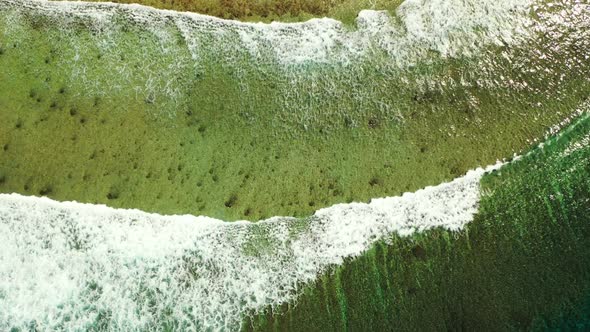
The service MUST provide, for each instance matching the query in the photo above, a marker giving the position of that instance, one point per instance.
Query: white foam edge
(449, 27)
(217, 271)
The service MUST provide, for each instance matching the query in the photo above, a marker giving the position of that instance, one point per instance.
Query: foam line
(67, 265)
(449, 27)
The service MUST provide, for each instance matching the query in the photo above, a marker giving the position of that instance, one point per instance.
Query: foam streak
(71, 265)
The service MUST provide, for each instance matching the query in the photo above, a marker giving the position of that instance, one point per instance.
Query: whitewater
(450, 27)
(64, 265)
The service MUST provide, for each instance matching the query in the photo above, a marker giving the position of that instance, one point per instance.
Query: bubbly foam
(70, 265)
(449, 27)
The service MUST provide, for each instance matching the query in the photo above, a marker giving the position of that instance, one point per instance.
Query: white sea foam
(449, 27)
(64, 264)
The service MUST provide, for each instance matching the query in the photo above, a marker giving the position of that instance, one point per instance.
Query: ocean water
(184, 114)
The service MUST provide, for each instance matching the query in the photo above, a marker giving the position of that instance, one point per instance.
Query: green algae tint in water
(523, 263)
(173, 113)
(179, 113)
